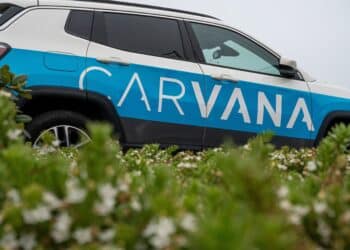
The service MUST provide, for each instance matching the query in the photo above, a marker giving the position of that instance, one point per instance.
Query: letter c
(86, 71)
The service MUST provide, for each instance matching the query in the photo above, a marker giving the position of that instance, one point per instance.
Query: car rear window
(79, 23)
(139, 34)
(8, 11)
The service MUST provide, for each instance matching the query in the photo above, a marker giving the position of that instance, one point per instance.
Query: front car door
(141, 64)
(249, 94)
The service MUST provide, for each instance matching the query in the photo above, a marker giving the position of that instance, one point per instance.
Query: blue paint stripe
(64, 71)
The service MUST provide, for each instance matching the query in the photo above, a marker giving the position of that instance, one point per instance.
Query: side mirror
(288, 68)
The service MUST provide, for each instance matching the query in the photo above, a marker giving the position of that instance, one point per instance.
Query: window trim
(188, 49)
(13, 12)
(185, 39)
(200, 57)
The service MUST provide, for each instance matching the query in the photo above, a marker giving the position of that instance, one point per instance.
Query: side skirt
(140, 132)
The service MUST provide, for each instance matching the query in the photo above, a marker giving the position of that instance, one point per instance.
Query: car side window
(139, 34)
(79, 23)
(223, 47)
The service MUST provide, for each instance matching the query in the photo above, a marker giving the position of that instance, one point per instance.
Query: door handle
(113, 60)
(225, 77)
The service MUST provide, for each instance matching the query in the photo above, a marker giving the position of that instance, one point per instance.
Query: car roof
(118, 6)
(128, 7)
(21, 3)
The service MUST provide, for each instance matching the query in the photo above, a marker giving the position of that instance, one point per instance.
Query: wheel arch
(332, 119)
(93, 105)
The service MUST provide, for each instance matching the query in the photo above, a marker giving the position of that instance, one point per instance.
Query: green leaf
(20, 80)
(6, 75)
(23, 119)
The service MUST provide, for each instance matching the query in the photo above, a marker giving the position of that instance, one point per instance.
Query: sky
(316, 33)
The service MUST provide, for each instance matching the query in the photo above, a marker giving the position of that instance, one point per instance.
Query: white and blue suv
(158, 75)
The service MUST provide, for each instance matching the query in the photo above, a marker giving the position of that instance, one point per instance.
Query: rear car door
(142, 64)
(46, 49)
(250, 96)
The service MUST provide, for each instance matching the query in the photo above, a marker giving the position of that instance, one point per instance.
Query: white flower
(123, 187)
(295, 219)
(216, 150)
(107, 235)
(104, 207)
(186, 165)
(285, 205)
(61, 228)
(137, 173)
(297, 213)
(56, 143)
(37, 215)
(135, 205)
(320, 207)
(9, 241)
(189, 223)
(107, 191)
(51, 200)
(27, 241)
(75, 194)
(159, 232)
(311, 166)
(283, 192)
(110, 247)
(14, 196)
(83, 235)
(5, 93)
(14, 134)
(107, 195)
(282, 167)
(46, 150)
(160, 242)
(324, 230)
(301, 210)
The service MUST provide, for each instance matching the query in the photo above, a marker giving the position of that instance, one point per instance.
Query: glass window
(140, 34)
(79, 23)
(7, 11)
(226, 48)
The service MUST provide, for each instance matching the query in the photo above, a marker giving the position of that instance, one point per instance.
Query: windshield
(7, 11)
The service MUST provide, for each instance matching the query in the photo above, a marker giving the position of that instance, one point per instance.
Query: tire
(60, 123)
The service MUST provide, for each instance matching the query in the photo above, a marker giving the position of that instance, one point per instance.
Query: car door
(249, 94)
(142, 65)
(51, 52)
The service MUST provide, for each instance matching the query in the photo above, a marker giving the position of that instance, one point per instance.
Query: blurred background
(316, 33)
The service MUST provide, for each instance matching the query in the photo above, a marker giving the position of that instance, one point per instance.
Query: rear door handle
(225, 77)
(113, 60)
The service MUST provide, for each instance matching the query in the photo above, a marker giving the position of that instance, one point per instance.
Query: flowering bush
(251, 197)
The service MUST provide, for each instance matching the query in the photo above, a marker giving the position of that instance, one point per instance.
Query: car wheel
(68, 129)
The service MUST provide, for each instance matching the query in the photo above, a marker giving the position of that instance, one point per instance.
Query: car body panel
(116, 85)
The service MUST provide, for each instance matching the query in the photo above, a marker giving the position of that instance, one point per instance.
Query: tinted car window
(140, 34)
(8, 11)
(79, 23)
(226, 48)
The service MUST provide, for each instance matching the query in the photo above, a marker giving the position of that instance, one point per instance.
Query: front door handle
(113, 60)
(225, 77)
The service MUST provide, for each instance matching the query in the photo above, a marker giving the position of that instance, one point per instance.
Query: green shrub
(251, 197)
